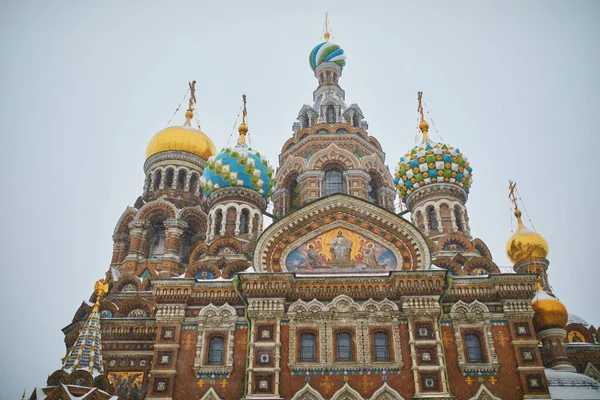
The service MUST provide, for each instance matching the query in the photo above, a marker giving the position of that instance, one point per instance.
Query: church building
(344, 295)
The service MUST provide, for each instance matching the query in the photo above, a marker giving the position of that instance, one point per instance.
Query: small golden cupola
(549, 311)
(524, 243)
(183, 138)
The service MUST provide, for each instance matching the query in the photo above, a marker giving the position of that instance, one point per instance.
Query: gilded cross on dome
(326, 35)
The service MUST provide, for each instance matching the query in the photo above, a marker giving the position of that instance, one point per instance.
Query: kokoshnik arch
(340, 297)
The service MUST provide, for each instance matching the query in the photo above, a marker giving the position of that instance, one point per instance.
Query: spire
(326, 34)
(189, 114)
(243, 128)
(511, 195)
(86, 353)
(423, 125)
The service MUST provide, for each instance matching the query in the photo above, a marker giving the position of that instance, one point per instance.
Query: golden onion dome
(524, 244)
(182, 138)
(549, 311)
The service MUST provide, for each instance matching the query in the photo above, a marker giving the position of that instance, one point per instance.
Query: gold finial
(423, 125)
(326, 35)
(189, 114)
(243, 128)
(101, 288)
(513, 197)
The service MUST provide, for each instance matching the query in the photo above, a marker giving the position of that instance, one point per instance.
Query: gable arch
(372, 164)
(307, 393)
(399, 236)
(122, 225)
(385, 392)
(480, 263)
(347, 393)
(157, 206)
(333, 153)
(290, 166)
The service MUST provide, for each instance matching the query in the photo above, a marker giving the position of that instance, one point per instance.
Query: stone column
(138, 230)
(121, 243)
(174, 229)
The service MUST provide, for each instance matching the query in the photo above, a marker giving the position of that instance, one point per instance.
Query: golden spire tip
(326, 35)
(423, 125)
(243, 128)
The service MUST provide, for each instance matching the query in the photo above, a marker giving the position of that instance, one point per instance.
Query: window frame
(387, 346)
(209, 349)
(301, 349)
(351, 345)
(327, 184)
(477, 335)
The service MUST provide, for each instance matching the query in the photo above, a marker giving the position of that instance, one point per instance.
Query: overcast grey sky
(85, 85)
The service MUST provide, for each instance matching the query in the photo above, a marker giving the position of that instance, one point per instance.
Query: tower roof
(86, 353)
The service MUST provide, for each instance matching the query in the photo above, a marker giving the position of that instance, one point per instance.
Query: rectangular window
(381, 346)
(307, 347)
(473, 346)
(344, 346)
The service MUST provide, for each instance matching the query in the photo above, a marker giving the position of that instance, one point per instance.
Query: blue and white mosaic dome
(327, 52)
(238, 166)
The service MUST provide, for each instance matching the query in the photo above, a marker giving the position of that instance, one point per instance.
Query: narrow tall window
(157, 179)
(244, 219)
(330, 114)
(433, 223)
(294, 191)
(458, 218)
(334, 182)
(373, 189)
(473, 345)
(343, 343)
(307, 347)
(218, 222)
(215, 350)
(181, 179)
(169, 178)
(157, 240)
(381, 346)
(193, 183)
(305, 123)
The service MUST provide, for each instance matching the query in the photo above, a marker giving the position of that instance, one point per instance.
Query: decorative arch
(450, 265)
(454, 242)
(122, 225)
(220, 245)
(209, 268)
(475, 266)
(482, 248)
(198, 252)
(291, 165)
(484, 394)
(385, 392)
(156, 206)
(212, 311)
(307, 393)
(346, 393)
(234, 267)
(460, 308)
(399, 236)
(372, 163)
(333, 153)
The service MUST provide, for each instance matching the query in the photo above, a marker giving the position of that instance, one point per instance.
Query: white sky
(85, 85)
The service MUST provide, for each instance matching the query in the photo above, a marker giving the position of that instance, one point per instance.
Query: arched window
(343, 344)
(169, 178)
(373, 189)
(335, 79)
(433, 223)
(181, 179)
(305, 123)
(157, 240)
(381, 346)
(330, 114)
(322, 78)
(148, 183)
(157, 179)
(473, 345)
(356, 121)
(215, 350)
(244, 219)
(186, 246)
(294, 191)
(458, 218)
(193, 183)
(308, 347)
(218, 222)
(334, 182)
(328, 74)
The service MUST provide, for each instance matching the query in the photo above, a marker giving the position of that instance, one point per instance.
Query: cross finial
(420, 107)
(101, 288)
(511, 194)
(326, 35)
(192, 96)
(243, 128)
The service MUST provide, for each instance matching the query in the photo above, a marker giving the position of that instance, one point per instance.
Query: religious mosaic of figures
(128, 385)
(340, 250)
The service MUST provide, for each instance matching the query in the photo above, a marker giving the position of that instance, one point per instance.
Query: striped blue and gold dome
(327, 52)
(430, 163)
(238, 166)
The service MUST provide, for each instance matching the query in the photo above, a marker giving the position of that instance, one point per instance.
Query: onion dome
(327, 52)
(431, 162)
(549, 311)
(524, 244)
(182, 138)
(238, 166)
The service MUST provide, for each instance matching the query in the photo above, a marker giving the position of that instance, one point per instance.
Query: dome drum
(234, 194)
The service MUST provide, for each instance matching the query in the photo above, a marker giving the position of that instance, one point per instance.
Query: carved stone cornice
(517, 309)
(170, 312)
(435, 190)
(173, 155)
(236, 192)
